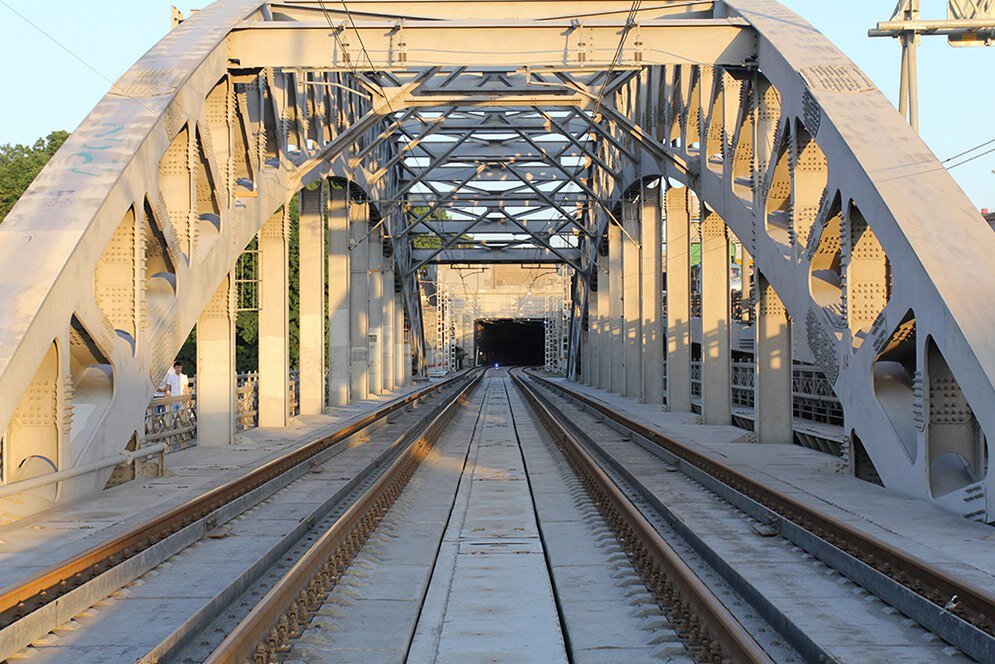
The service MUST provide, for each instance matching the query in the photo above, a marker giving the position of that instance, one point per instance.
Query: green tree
(426, 241)
(247, 322)
(20, 164)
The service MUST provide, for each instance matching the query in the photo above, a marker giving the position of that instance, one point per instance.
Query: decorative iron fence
(742, 384)
(247, 401)
(294, 402)
(173, 420)
(696, 378)
(814, 399)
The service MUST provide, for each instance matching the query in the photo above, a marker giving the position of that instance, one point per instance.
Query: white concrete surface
(840, 616)
(491, 598)
(607, 613)
(136, 618)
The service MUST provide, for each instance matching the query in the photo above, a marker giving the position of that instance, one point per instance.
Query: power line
(970, 159)
(356, 74)
(114, 86)
(86, 64)
(362, 47)
(629, 20)
(976, 147)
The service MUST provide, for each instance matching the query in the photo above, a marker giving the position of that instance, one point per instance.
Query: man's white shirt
(176, 384)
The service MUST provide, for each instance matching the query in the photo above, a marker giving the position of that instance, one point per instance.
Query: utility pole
(968, 23)
(908, 90)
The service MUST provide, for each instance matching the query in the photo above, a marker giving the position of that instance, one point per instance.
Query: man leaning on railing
(175, 384)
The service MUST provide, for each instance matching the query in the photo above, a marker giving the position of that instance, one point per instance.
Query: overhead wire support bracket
(968, 23)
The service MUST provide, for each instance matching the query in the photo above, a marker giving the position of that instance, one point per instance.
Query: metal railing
(173, 420)
(814, 399)
(247, 401)
(742, 384)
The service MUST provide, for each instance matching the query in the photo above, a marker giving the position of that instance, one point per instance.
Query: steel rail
(702, 620)
(283, 613)
(22, 598)
(952, 608)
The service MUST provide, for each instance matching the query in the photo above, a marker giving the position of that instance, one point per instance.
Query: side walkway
(52, 536)
(962, 547)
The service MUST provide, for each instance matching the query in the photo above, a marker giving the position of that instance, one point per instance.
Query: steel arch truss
(507, 141)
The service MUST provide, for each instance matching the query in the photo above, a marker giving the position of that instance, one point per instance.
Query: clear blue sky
(55, 91)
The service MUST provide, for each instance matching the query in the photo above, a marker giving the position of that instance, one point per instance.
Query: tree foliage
(20, 164)
(247, 322)
(427, 241)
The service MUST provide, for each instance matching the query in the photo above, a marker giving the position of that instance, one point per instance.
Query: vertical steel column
(592, 372)
(716, 367)
(311, 252)
(631, 284)
(409, 342)
(585, 354)
(774, 379)
(274, 321)
(617, 348)
(338, 297)
(216, 367)
(678, 300)
(604, 326)
(387, 299)
(400, 379)
(651, 299)
(908, 93)
(359, 301)
(375, 246)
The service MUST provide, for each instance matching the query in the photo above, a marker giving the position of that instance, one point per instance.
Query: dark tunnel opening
(510, 342)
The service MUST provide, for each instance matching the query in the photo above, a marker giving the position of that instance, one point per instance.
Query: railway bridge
(728, 197)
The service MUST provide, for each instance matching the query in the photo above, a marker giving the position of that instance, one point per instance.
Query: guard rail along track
(20, 603)
(283, 613)
(707, 627)
(953, 609)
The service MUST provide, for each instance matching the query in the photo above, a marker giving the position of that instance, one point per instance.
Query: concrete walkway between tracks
(491, 558)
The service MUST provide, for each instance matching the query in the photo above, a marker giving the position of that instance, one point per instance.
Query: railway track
(710, 630)
(956, 611)
(283, 613)
(53, 596)
(698, 619)
(518, 520)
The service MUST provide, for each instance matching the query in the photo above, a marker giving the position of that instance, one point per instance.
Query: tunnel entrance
(510, 341)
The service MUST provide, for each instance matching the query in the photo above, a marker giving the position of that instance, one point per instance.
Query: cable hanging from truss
(629, 22)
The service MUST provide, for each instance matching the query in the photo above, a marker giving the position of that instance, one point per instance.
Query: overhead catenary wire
(362, 46)
(970, 159)
(356, 74)
(968, 151)
(629, 22)
(114, 86)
